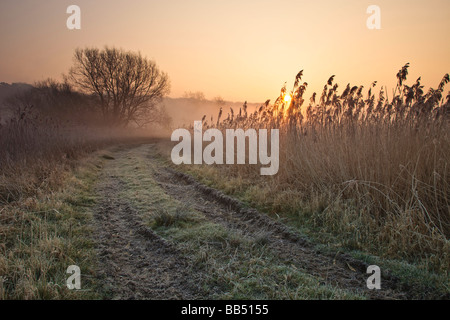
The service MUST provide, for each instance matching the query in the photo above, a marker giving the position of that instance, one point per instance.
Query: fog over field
(184, 111)
(225, 154)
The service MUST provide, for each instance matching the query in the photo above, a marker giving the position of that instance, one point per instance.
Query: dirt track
(135, 263)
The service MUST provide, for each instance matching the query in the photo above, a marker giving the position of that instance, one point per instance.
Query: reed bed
(36, 150)
(370, 169)
(47, 192)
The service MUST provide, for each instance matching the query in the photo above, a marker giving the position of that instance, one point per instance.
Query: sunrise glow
(222, 151)
(228, 48)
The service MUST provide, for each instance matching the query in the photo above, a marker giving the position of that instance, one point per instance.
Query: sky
(241, 50)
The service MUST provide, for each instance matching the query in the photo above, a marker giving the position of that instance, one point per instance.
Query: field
(363, 180)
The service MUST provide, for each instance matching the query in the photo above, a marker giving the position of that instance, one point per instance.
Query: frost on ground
(137, 261)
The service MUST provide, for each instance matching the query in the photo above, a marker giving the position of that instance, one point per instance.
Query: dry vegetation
(51, 127)
(373, 171)
(44, 195)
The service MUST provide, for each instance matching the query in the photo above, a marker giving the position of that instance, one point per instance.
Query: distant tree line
(109, 86)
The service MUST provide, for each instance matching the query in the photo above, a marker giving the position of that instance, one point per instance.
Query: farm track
(341, 270)
(136, 263)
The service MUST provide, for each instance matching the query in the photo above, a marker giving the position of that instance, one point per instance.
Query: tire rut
(134, 262)
(339, 270)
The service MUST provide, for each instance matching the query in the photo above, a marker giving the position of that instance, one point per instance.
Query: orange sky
(238, 49)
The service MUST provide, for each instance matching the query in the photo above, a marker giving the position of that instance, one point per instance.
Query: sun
(287, 98)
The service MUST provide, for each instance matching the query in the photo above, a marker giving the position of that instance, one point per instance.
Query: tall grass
(48, 127)
(46, 198)
(372, 170)
(36, 150)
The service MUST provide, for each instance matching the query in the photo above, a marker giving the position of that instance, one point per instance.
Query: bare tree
(129, 86)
